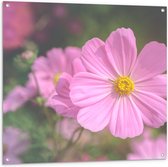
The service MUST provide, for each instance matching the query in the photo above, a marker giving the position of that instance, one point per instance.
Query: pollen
(123, 85)
(56, 78)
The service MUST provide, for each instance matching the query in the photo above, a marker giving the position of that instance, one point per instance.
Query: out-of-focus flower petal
(148, 147)
(16, 143)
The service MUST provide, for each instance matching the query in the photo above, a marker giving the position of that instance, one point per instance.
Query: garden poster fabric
(83, 82)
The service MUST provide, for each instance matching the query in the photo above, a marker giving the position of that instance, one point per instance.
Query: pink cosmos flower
(20, 95)
(17, 24)
(15, 143)
(120, 90)
(148, 148)
(60, 100)
(48, 70)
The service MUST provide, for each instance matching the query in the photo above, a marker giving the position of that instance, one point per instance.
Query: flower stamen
(123, 85)
(56, 78)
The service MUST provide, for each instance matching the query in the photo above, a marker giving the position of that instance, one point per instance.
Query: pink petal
(56, 60)
(156, 85)
(150, 62)
(153, 108)
(126, 120)
(20, 95)
(16, 98)
(87, 89)
(91, 61)
(43, 75)
(71, 53)
(77, 66)
(63, 106)
(96, 117)
(121, 50)
(45, 84)
(102, 55)
(41, 64)
(62, 87)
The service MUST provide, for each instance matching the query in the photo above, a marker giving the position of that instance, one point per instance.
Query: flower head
(120, 89)
(15, 143)
(60, 100)
(148, 147)
(48, 70)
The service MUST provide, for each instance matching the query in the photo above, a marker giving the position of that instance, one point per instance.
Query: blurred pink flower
(17, 24)
(60, 100)
(48, 70)
(120, 90)
(15, 143)
(20, 95)
(67, 127)
(148, 148)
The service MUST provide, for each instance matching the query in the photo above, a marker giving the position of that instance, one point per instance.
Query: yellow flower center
(123, 85)
(56, 78)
